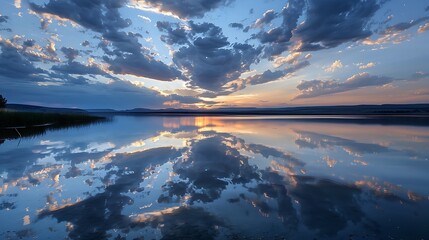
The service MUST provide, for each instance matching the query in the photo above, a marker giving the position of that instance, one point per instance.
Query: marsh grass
(26, 124)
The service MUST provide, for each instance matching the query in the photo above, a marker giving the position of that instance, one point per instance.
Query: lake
(160, 177)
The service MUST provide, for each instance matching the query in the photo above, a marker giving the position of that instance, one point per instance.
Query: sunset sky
(124, 54)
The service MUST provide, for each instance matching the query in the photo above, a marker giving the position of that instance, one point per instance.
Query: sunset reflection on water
(217, 178)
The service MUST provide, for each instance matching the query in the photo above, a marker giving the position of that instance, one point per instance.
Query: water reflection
(217, 178)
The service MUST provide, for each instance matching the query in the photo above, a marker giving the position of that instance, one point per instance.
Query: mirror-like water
(217, 178)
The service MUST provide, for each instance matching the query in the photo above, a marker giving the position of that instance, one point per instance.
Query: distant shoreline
(350, 110)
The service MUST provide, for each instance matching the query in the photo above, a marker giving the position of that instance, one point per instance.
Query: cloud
(289, 59)
(29, 49)
(269, 76)
(14, 65)
(104, 17)
(316, 88)
(423, 28)
(85, 43)
(331, 23)
(236, 25)
(99, 16)
(117, 94)
(404, 26)
(70, 53)
(180, 9)
(72, 67)
(278, 38)
(17, 3)
(144, 18)
(366, 66)
(393, 33)
(3, 19)
(267, 17)
(206, 56)
(327, 24)
(334, 66)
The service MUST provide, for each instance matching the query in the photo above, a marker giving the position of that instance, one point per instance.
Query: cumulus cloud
(289, 59)
(334, 66)
(180, 9)
(70, 53)
(316, 88)
(127, 55)
(14, 65)
(331, 23)
(327, 24)
(278, 38)
(205, 54)
(267, 17)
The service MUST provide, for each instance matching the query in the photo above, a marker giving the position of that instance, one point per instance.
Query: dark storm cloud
(267, 17)
(316, 88)
(236, 25)
(104, 17)
(206, 54)
(14, 65)
(185, 9)
(330, 23)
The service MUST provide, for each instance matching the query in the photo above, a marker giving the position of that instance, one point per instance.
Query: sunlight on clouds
(18, 4)
(334, 66)
(423, 28)
(366, 66)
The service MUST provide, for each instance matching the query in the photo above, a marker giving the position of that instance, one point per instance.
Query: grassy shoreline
(10, 119)
(27, 124)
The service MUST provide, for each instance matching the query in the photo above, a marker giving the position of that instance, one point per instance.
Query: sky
(123, 54)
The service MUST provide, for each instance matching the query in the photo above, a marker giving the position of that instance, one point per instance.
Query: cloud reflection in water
(215, 178)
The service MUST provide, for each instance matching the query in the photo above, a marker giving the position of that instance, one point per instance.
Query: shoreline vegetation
(17, 124)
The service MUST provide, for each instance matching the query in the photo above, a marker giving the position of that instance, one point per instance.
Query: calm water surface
(217, 178)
